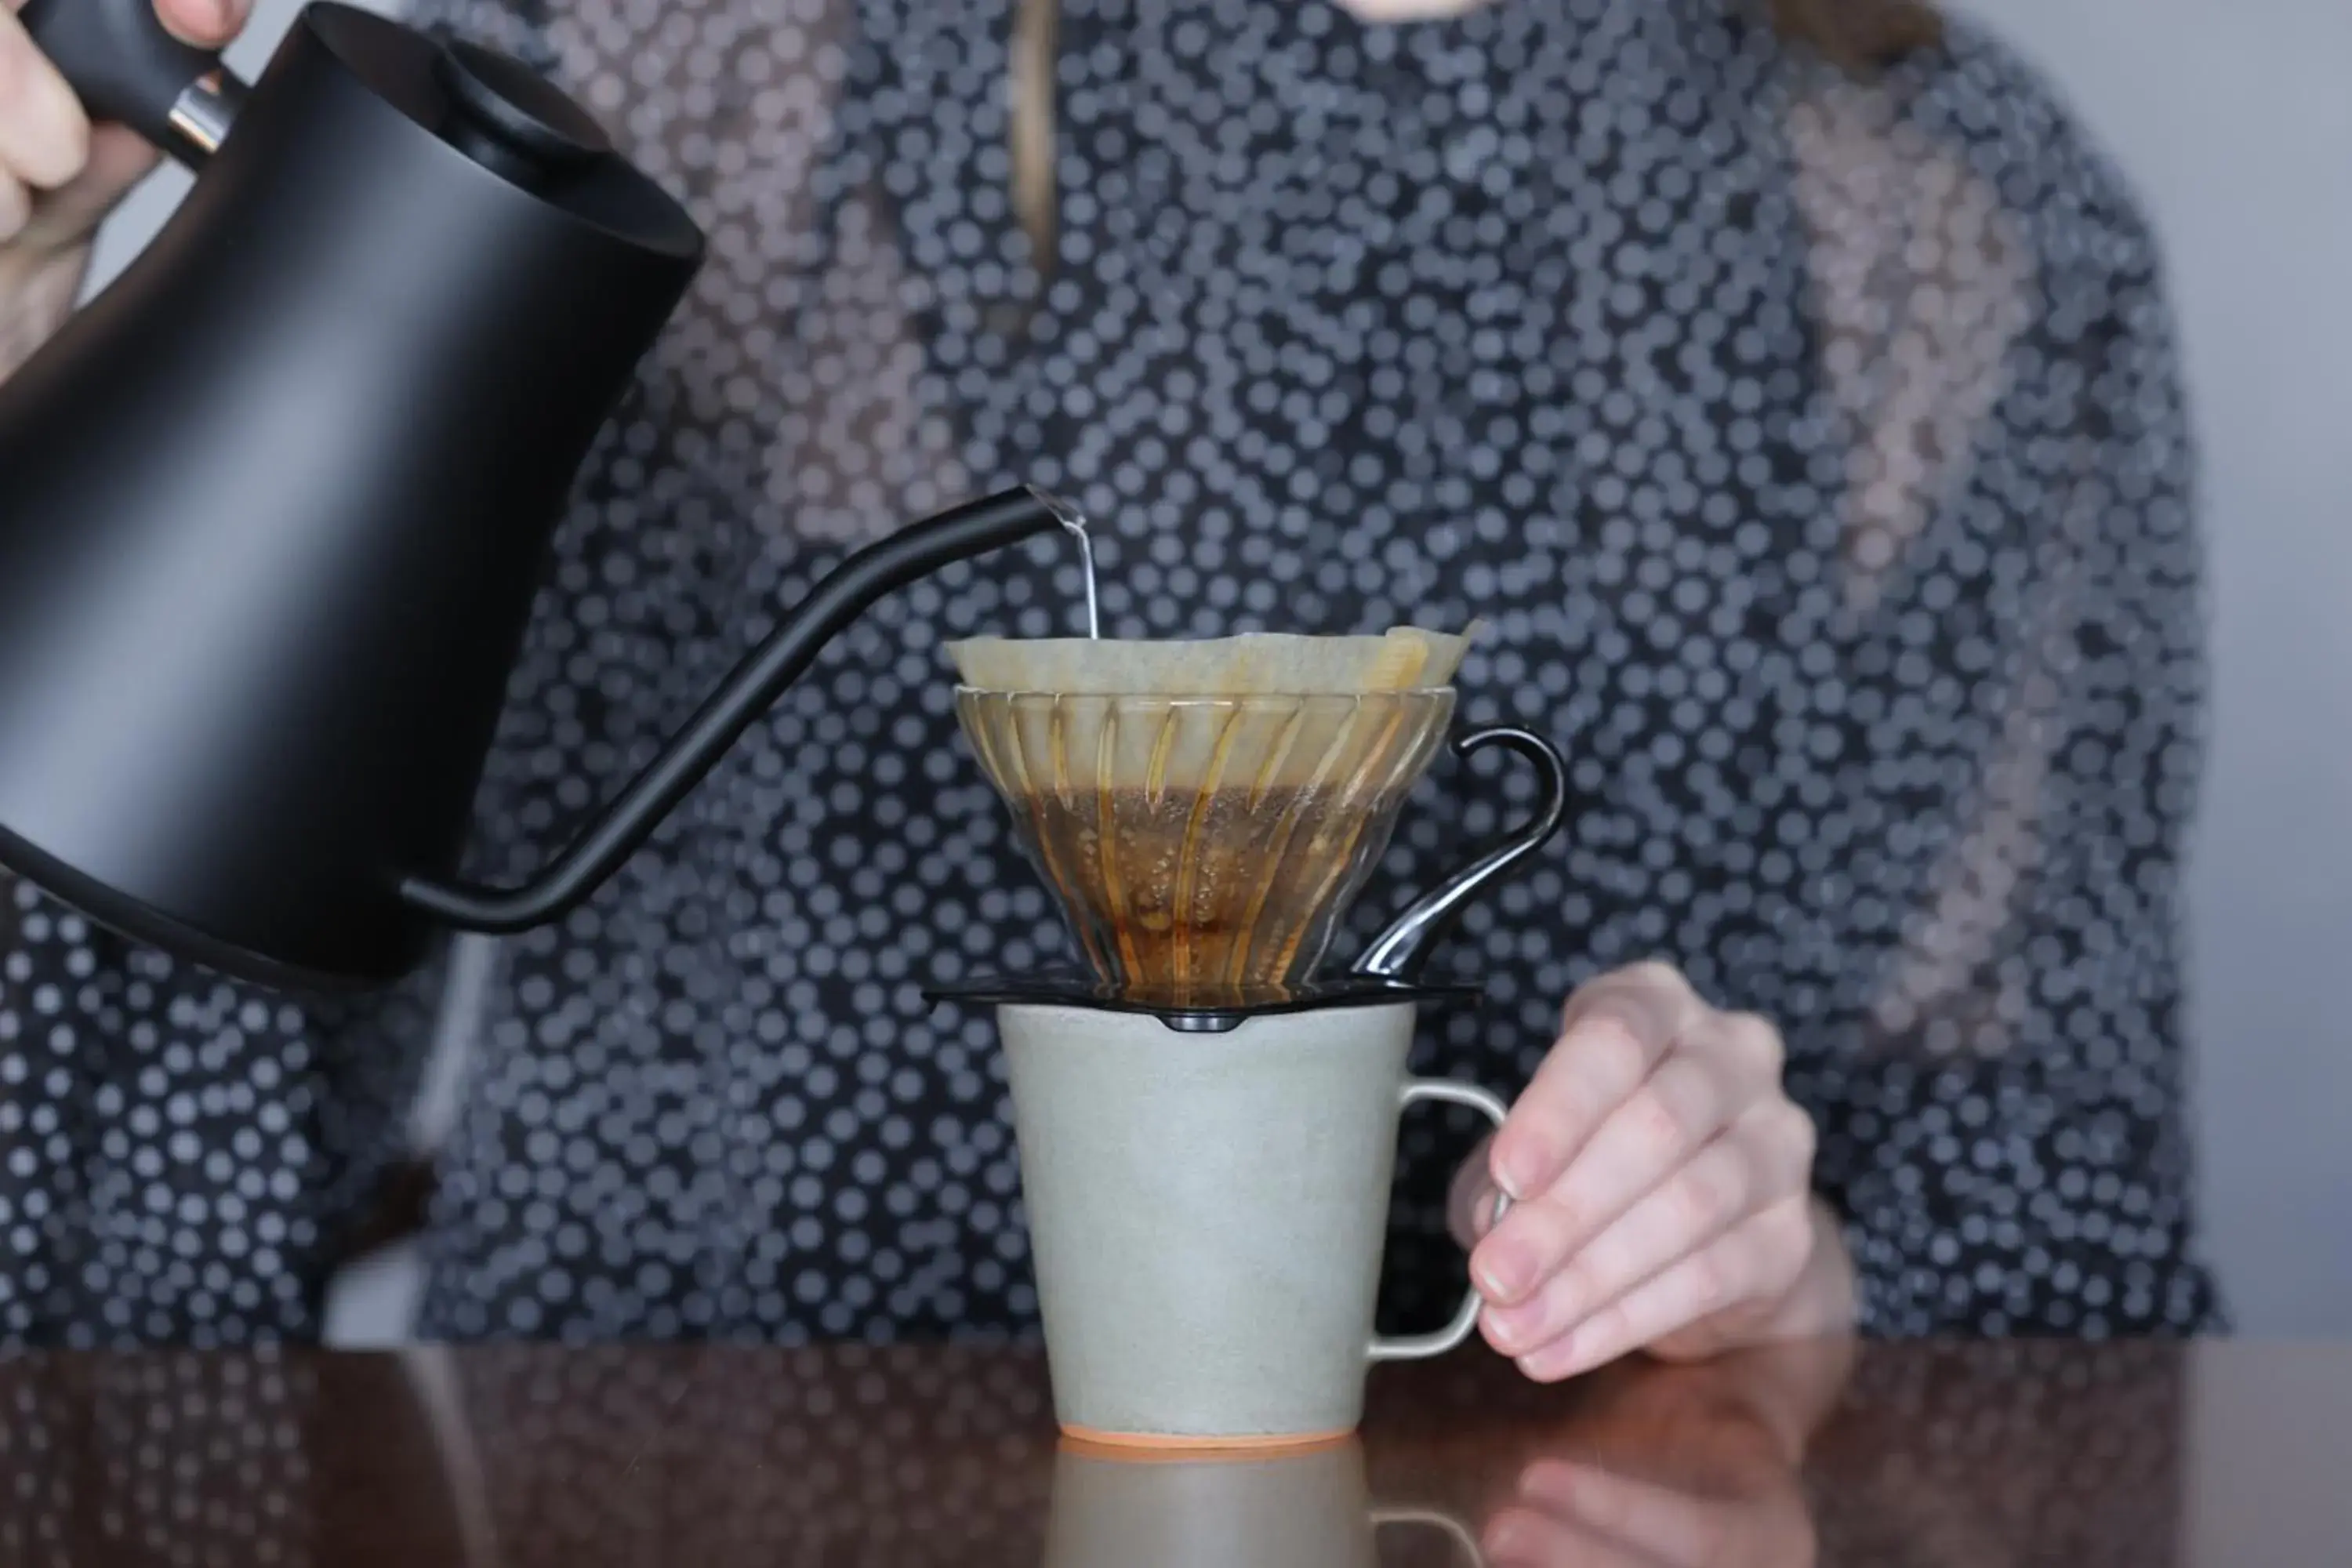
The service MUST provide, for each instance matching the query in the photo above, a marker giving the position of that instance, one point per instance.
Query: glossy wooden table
(1962, 1455)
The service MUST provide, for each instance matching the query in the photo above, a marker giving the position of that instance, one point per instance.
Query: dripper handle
(1400, 951)
(125, 65)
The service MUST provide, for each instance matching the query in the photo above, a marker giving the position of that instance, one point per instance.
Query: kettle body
(275, 506)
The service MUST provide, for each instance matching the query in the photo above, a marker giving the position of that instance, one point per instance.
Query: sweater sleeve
(2002, 1094)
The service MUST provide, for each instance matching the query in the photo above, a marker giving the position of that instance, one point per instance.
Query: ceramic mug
(1207, 1213)
(1309, 1510)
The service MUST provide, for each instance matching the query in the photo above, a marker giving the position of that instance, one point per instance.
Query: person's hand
(59, 176)
(1662, 1186)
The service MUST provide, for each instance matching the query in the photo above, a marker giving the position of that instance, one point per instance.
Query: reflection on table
(519, 1457)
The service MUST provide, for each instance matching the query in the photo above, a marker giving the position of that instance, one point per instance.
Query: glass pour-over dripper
(1203, 848)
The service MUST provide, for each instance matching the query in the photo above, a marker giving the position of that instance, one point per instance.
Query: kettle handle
(750, 690)
(125, 65)
(1400, 951)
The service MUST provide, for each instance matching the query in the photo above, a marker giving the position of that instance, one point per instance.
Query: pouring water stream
(1074, 524)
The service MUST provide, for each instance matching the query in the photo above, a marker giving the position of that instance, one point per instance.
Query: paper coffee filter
(1405, 658)
(1340, 746)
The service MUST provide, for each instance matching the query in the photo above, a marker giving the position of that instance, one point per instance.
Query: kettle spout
(747, 693)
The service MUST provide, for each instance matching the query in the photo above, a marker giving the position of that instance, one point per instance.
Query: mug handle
(1433, 1518)
(1416, 1347)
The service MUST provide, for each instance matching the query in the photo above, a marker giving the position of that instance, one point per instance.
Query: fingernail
(1552, 1362)
(1511, 1175)
(1515, 1329)
(1505, 1271)
(1518, 1169)
(197, 21)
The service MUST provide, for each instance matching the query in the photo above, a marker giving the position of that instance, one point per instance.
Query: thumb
(67, 217)
(1470, 1201)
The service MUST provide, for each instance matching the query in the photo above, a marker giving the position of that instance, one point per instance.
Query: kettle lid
(498, 95)
(509, 119)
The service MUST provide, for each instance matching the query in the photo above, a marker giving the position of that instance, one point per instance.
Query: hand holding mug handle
(1418, 1347)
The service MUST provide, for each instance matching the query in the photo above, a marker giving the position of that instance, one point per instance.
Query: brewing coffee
(1204, 847)
(1219, 899)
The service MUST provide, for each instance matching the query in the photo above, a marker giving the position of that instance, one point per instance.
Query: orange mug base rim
(1195, 1445)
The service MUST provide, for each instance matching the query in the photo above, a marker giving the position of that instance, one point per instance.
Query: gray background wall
(2235, 120)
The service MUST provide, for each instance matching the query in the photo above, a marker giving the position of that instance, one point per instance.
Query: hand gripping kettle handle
(125, 66)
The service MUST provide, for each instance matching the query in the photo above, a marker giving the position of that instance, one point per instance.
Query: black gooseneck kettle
(273, 508)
